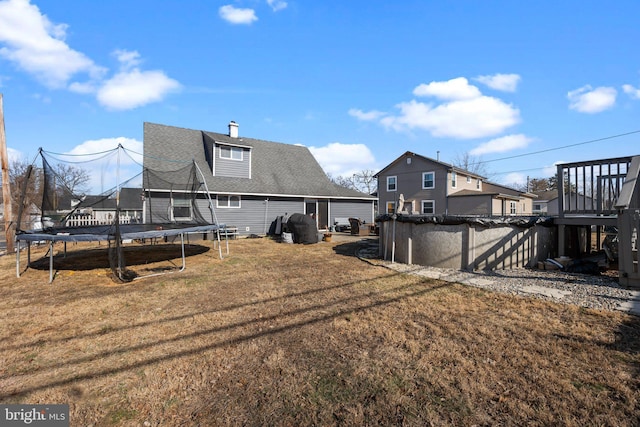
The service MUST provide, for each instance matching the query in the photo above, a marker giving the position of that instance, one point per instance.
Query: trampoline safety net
(55, 204)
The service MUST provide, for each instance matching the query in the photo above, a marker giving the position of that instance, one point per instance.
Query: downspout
(266, 210)
(446, 195)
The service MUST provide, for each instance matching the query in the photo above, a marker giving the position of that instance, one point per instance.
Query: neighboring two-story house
(430, 187)
(251, 181)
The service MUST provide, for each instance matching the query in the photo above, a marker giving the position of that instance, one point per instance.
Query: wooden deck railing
(591, 188)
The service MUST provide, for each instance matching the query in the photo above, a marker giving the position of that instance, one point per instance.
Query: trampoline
(152, 205)
(140, 232)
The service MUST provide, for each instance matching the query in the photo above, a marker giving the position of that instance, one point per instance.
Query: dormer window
(231, 153)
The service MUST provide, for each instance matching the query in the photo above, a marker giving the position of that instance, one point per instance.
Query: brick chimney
(233, 129)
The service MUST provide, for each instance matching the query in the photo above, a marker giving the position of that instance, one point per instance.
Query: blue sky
(358, 82)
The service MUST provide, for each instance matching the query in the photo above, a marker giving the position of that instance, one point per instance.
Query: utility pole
(6, 190)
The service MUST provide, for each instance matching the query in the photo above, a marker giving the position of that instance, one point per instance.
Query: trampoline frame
(35, 236)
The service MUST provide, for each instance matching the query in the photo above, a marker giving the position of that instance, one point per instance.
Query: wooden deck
(601, 193)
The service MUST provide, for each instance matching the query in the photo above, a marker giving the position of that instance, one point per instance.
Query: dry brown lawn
(294, 335)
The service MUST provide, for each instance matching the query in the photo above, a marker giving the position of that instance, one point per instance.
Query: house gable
(452, 190)
(421, 179)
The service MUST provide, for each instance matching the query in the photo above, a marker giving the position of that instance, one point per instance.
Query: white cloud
(135, 88)
(633, 92)
(14, 155)
(514, 179)
(131, 87)
(502, 82)
(277, 5)
(366, 116)
(454, 89)
(464, 112)
(107, 171)
(502, 144)
(465, 119)
(37, 46)
(235, 15)
(89, 148)
(128, 59)
(85, 88)
(589, 100)
(552, 170)
(339, 159)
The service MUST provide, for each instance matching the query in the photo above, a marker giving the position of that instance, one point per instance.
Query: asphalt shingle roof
(276, 168)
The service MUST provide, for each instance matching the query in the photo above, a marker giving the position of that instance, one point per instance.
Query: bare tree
(363, 181)
(539, 184)
(473, 164)
(342, 181)
(26, 190)
(520, 186)
(75, 179)
(366, 181)
(27, 186)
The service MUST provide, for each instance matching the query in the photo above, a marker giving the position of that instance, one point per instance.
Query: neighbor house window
(479, 184)
(181, 210)
(232, 153)
(428, 180)
(537, 207)
(391, 208)
(228, 201)
(454, 177)
(428, 207)
(513, 208)
(392, 183)
(468, 180)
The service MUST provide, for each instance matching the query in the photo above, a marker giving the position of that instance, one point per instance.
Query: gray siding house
(430, 187)
(547, 202)
(251, 181)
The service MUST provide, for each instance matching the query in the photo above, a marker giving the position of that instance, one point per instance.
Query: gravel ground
(598, 292)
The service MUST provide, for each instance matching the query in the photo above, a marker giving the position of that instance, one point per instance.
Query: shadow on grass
(91, 259)
(628, 341)
(223, 309)
(317, 313)
(364, 248)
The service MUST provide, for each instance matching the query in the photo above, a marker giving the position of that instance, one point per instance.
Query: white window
(429, 207)
(232, 153)
(181, 210)
(537, 207)
(224, 201)
(391, 208)
(468, 180)
(454, 178)
(392, 183)
(428, 180)
(513, 208)
(479, 184)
